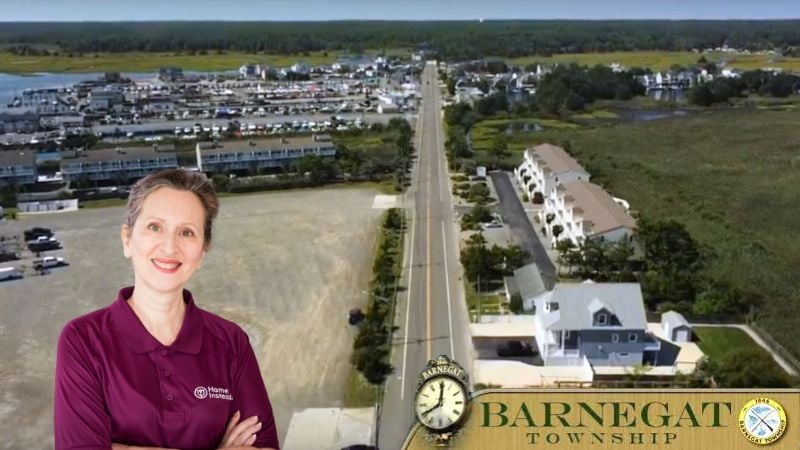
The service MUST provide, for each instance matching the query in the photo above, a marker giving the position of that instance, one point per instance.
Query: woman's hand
(240, 434)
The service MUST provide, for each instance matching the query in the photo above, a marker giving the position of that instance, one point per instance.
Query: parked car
(8, 256)
(516, 348)
(355, 316)
(48, 262)
(37, 247)
(35, 232)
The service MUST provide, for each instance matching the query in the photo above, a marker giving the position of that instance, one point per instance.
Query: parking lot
(286, 266)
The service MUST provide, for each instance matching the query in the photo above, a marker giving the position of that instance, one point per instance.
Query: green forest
(446, 39)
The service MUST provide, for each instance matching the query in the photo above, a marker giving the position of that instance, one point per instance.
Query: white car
(49, 261)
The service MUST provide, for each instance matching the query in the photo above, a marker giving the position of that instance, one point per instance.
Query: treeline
(669, 265)
(756, 82)
(572, 87)
(486, 266)
(449, 39)
(372, 345)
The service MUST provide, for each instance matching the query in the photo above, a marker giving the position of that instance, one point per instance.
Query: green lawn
(718, 342)
(729, 175)
(658, 60)
(358, 393)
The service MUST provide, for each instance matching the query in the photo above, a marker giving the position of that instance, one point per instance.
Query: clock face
(440, 403)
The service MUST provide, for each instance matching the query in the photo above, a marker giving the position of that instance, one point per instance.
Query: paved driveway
(521, 227)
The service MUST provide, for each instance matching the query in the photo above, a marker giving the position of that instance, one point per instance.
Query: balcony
(565, 353)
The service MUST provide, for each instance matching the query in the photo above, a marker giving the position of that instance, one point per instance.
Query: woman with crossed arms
(152, 370)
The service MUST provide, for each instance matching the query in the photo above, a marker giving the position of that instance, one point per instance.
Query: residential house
(300, 68)
(254, 155)
(43, 101)
(170, 73)
(544, 167)
(159, 105)
(62, 122)
(468, 94)
(603, 323)
(19, 121)
(106, 99)
(120, 164)
(17, 167)
(585, 210)
(250, 71)
(527, 282)
(387, 108)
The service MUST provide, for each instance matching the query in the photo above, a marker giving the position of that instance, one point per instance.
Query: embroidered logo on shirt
(202, 392)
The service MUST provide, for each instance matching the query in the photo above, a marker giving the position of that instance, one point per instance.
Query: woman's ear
(125, 236)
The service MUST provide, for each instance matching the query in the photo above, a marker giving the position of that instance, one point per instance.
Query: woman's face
(166, 242)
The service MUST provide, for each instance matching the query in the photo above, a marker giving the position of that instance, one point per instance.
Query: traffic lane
(521, 227)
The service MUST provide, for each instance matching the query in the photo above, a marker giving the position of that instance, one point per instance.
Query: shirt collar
(189, 339)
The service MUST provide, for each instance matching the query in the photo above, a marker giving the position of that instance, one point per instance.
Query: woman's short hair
(181, 180)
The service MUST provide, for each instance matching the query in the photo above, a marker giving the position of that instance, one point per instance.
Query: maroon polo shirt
(116, 383)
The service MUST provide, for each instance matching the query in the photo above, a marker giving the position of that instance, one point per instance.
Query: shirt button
(167, 373)
(163, 352)
(170, 397)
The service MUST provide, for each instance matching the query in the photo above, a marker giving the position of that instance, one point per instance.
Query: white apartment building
(544, 167)
(585, 210)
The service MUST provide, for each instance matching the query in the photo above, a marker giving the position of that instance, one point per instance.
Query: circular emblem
(762, 421)
(200, 392)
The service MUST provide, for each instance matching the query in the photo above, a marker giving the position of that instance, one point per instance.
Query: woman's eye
(154, 227)
(188, 233)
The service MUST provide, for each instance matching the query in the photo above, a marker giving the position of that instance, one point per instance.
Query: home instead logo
(203, 392)
(673, 419)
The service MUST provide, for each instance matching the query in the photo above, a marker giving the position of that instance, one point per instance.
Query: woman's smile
(166, 265)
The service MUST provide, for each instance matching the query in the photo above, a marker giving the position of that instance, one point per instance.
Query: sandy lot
(285, 266)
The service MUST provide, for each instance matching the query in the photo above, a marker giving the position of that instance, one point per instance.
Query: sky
(320, 10)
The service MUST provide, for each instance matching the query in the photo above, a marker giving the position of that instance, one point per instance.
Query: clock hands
(441, 399)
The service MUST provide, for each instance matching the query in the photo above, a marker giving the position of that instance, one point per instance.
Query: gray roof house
(122, 164)
(17, 167)
(676, 327)
(605, 323)
(252, 155)
(527, 282)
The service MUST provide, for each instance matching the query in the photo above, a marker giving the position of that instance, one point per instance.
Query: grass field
(150, 62)
(716, 342)
(358, 392)
(661, 60)
(731, 176)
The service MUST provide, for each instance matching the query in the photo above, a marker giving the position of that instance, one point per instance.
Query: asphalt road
(521, 227)
(431, 312)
